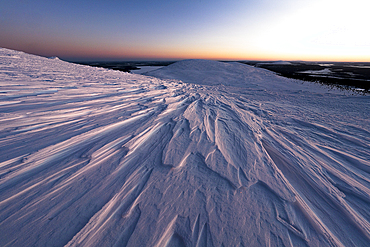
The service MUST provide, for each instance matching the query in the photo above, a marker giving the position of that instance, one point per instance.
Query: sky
(311, 30)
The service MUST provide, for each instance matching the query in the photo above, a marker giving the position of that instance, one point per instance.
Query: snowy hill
(230, 156)
(232, 74)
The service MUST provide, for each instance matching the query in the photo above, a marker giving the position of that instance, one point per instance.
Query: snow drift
(211, 154)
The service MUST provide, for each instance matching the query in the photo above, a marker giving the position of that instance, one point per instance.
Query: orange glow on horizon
(172, 54)
(92, 53)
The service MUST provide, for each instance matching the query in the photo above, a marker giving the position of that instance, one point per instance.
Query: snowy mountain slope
(233, 74)
(95, 157)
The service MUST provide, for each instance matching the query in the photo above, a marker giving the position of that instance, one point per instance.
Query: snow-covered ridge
(96, 157)
(231, 74)
(213, 73)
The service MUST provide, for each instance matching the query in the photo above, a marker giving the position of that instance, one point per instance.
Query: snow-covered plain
(231, 156)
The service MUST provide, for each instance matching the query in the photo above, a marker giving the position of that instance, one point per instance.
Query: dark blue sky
(265, 29)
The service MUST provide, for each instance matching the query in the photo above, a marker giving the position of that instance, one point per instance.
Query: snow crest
(239, 157)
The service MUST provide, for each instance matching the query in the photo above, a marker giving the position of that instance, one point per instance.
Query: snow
(326, 64)
(55, 58)
(360, 66)
(318, 72)
(232, 74)
(276, 63)
(144, 69)
(199, 153)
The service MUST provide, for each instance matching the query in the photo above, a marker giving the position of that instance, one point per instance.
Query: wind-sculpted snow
(95, 157)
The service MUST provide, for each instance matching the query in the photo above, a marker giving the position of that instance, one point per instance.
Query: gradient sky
(321, 30)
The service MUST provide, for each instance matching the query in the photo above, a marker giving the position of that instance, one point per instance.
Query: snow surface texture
(96, 157)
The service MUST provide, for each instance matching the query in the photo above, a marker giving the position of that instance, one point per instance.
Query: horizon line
(82, 59)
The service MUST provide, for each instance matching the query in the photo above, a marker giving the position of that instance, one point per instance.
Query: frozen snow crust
(235, 157)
